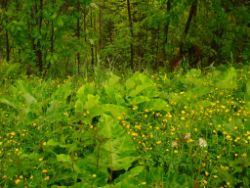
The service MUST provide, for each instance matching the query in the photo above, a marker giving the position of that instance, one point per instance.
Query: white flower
(202, 142)
(187, 136)
(174, 144)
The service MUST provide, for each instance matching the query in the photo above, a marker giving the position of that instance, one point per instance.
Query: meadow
(182, 129)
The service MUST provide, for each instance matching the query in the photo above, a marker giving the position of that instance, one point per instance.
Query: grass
(165, 130)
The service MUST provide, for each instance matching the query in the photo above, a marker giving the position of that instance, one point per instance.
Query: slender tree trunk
(7, 47)
(174, 63)
(85, 23)
(37, 47)
(78, 29)
(166, 28)
(131, 34)
(7, 42)
(192, 14)
(92, 42)
(52, 40)
(101, 25)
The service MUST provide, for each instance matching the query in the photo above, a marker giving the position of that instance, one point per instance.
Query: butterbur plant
(138, 132)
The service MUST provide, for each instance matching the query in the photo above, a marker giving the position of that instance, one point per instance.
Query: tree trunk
(7, 47)
(7, 42)
(175, 62)
(166, 28)
(85, 23)
(92, 42)
(37, 47)
(131, 34)
(78, 29)
(101, 25)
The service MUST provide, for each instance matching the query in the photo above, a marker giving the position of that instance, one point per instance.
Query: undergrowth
(163, 130)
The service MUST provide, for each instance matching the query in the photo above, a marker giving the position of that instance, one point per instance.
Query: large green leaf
(157, 105)
(118, 151)
(140, 83)
(228, 79)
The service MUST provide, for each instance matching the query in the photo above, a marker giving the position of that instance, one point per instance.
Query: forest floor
(163, 130)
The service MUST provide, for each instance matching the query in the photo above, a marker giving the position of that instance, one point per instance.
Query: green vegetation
(124, 93)
(77, 35)
(166, 130)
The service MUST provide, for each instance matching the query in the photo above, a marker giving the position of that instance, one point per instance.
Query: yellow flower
(134, 134)
(204, 182)
(228, 137)
(143, 183)
(138, 127)
(215, 176)
(17, 181)
(46, 178)
(44, 171)
(13, 134)
(40, 159)
(158, 142)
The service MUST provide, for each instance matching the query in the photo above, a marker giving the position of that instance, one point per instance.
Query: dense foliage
(178, 114)
(78, 34)
(166, 130)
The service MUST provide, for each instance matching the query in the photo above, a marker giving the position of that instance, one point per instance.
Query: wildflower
(138, 127)
(174, 144)
(94, 176)
(206, 173)
(228, 137)
(158, 142)
(202, 142)
(204, 182)
(17, 181)
(143, 183)
(186, 136)
(215, 176)
(13, 134)
(44, 171)
(134, 134)
(46, 178)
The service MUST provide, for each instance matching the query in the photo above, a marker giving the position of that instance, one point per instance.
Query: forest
(124, 93)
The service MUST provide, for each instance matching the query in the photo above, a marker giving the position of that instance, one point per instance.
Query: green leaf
(140, 83)
(8, 103)
(114, 110)
(63, 158)
(157, 105)
(228, 79)
(118, 151)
